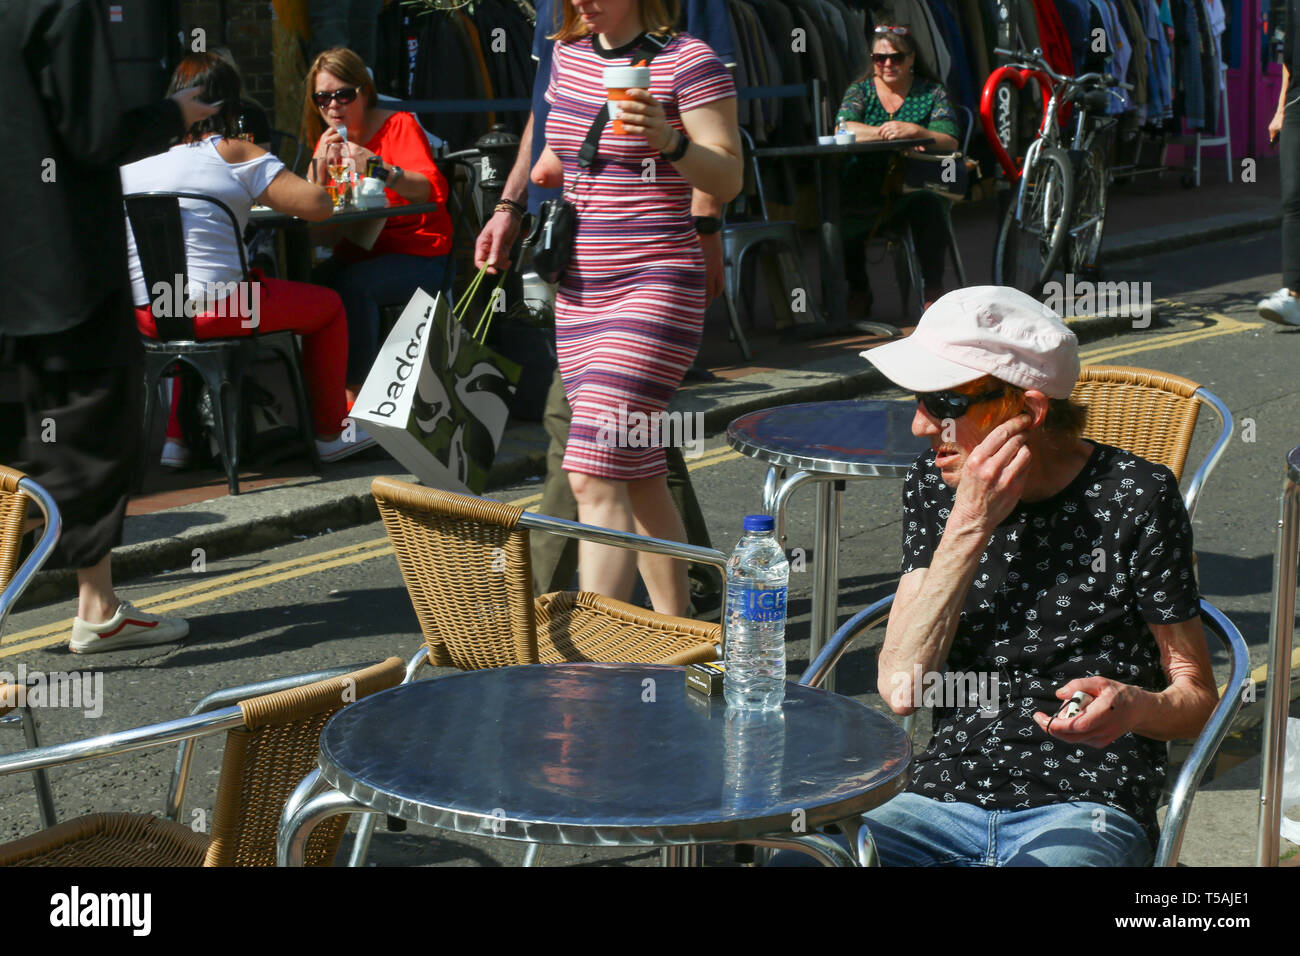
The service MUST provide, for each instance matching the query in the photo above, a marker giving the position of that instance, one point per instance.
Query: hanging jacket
(1055, 41)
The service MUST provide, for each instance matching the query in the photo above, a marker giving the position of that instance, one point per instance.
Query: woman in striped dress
(630, 307)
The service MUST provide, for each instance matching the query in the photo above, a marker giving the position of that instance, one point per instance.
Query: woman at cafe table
(412, 251)
(897, 99)
(212, 161)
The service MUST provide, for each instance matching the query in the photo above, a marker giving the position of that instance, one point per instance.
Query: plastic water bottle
(758, 576)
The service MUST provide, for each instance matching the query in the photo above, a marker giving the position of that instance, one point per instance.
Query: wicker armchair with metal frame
(467, 570)
(17, 491)
(272, 742)
(1153, 415)
(155, 219)
(1179, 794)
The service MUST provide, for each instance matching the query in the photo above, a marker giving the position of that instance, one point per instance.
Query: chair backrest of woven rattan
(467, 569)
(267, 758)
(1151, 414)
(13, 518)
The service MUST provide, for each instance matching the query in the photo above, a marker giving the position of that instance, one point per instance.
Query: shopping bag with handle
(437, 398)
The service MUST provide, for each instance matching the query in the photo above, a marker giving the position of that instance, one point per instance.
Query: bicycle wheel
(1089, 213)
(1029, 246)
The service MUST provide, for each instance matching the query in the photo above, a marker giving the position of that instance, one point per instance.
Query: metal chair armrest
(1207, 743)
(633, 542)
(40, 554)
(223, 698)
(1216, 451)
(125, 741)
(840, 641)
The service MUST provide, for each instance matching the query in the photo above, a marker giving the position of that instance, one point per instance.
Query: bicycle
(1060, 192)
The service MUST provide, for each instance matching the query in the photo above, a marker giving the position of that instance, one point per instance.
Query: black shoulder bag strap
(651, 44)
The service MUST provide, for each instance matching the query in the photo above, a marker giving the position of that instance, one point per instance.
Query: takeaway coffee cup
(618, 80)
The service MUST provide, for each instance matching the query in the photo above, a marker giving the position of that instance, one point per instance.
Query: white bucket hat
(984, 330)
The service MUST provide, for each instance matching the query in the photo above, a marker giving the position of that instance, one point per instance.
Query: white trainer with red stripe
(129, 627)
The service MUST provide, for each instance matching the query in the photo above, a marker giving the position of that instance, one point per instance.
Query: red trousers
(312, 311)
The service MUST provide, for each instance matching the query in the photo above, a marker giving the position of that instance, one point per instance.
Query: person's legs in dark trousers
(367, 286)
(1283, 306)
(555, 559)
(1291, 190)
(81, 440)
(926, 212)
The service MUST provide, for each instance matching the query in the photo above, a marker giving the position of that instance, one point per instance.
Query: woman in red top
(412, 251)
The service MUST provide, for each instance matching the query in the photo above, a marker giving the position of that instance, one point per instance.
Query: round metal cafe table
(603, 755)
(826, 443)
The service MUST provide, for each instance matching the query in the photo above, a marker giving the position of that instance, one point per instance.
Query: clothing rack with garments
(471, 55)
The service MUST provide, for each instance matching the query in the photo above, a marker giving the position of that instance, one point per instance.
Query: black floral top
(1064, 590)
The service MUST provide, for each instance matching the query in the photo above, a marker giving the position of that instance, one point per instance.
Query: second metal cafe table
(826, 443)
(617, 755)
(297, 243)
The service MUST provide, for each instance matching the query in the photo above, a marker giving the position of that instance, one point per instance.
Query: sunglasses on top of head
(954, 404)
(343, 97)
(882, 58)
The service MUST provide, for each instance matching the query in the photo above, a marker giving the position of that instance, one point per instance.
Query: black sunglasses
(954, 404)
(343, 97)
(882, 58)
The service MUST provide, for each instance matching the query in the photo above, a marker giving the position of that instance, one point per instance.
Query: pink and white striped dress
(630, 309)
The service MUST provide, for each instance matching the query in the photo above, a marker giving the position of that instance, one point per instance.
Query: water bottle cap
(760, 523)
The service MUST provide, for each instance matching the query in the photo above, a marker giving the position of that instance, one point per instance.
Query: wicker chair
(1179, 790)
(466, 565)
(17, 492)
(1151, 414)
(271, 745)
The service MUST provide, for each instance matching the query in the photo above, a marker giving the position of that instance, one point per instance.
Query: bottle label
(763, 605)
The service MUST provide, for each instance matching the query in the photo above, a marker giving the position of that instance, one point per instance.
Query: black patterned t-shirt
(1064, 590)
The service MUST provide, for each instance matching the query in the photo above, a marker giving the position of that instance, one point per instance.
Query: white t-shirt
(211, 253)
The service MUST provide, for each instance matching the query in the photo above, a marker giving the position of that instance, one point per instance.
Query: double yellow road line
(190, 595)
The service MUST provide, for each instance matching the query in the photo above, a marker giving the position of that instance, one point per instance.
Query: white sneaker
(129, 627)
(341, 448)
(175, 454)
(1280, 307)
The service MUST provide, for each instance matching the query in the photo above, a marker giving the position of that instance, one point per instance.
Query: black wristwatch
(707, 225)
(682, 143)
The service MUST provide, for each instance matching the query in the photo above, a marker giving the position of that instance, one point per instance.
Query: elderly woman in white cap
(1038, 567)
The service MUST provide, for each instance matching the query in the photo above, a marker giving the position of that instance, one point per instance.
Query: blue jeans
(911, 830)
(368, 285)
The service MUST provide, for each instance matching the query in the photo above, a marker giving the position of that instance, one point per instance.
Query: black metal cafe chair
(155, 220)
(741, 239)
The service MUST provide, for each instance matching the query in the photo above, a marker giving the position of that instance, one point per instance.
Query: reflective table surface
(864, 439)
(609, 754)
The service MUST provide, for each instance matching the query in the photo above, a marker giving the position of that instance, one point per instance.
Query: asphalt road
(338, 598)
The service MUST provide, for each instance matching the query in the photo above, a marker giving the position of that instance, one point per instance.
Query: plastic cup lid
(760, 523)
(626, 77)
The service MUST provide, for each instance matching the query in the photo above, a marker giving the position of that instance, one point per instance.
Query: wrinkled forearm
(1179, 712)
(921, 633)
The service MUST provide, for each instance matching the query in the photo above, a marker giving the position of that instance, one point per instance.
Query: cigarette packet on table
(705, 678)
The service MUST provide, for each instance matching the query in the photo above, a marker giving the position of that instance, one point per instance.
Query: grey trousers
(555, 559)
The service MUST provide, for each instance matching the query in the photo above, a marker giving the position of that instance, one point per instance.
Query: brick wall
(246, 30)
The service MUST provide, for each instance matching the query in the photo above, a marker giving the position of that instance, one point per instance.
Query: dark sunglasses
(954, 404)
(343, 97)
(881, 58)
